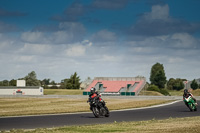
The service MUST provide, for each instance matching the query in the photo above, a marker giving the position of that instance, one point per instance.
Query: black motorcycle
(98, 107)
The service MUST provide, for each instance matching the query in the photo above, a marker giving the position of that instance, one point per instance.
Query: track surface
(48, 121)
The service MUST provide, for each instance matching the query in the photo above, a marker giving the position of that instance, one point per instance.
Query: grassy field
(171, 125)
(63, 92)
(150, 93)
(34, 106)
(180, 93)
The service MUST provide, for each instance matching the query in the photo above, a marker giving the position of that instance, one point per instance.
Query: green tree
(170, 83)
(5, 83)
(75, 81)
(194, 84)
(12, 82)
(175, 84)
(53, 82)
(72, 83)
(178, 84)
(157, 75)
(45, 81)
(31, 79)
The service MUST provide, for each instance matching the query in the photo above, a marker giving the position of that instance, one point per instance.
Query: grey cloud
(5, 13)
(4, 27)
(159, 27)
(63, 33)
(104, 36)
(77, 9)
(109, 4)
(159, 22)
(46, 28)
(72, 13)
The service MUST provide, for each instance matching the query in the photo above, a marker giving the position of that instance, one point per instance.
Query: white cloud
(110, 58)
(184, 40)
(62, 37)
(32, 37)
(104, 36)
(25, 59)
(5, 44)
(76, 50)
(158, 12)
(35, 48)
(177, 60)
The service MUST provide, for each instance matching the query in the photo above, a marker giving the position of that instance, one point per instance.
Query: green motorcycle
(190, 103)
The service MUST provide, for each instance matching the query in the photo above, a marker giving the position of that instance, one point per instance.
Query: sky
(99, 38)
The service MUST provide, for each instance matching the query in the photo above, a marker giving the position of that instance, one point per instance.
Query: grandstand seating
(110, 86)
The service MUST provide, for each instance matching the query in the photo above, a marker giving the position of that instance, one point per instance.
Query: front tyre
(96, 112)
(190, 106)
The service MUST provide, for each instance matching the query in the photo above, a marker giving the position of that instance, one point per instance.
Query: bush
(155, 88)
(164, 92)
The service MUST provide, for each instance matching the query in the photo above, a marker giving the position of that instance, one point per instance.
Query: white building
(21, 89)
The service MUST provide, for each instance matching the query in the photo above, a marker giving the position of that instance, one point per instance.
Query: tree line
(160, 84)
(157, 78)
(73, 82)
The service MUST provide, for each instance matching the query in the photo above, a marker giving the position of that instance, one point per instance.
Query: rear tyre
(107, 112)
(195, 108)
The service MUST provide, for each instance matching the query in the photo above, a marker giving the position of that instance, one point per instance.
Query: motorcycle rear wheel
(107, 112)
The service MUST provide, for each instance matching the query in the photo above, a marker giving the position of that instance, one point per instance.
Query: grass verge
(36, 106)
(63, 92)
(171, 125)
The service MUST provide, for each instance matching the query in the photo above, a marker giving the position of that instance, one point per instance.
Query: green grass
(196, 92)
(63, 92)
(180, 93)
(171, 125)
(176, 93)
(171, 92)
(150, 93)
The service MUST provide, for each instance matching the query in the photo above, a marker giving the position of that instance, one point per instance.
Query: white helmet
(92, 90)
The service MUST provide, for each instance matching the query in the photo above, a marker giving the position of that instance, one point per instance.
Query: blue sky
(99, 38)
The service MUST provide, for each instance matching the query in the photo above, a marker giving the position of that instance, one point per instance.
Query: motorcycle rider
(92, 96)
(186, 94)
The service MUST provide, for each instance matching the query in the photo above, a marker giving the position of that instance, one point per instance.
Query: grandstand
(117, 85)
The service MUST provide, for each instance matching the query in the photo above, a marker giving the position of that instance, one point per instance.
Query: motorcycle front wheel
(96, 112)
(190, 106)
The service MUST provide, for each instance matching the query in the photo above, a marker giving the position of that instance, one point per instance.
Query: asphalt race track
(177, 109)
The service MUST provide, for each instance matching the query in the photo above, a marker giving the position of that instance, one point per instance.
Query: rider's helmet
(92, 90)
(186, 91)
